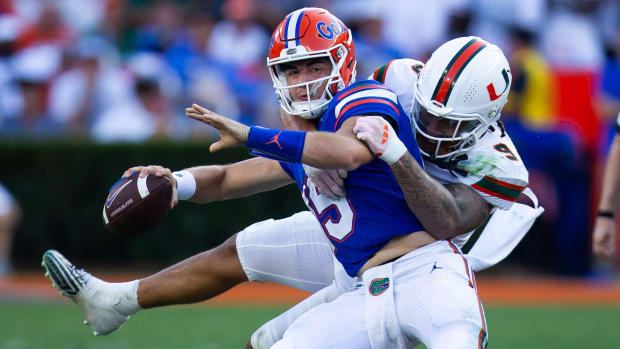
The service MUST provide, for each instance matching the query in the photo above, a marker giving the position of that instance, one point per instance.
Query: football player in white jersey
(458, 130)
(255, 248)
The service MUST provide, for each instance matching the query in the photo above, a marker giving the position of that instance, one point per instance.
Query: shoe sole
(62, 273)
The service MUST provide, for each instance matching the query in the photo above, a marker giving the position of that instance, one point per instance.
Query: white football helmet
(458, 96)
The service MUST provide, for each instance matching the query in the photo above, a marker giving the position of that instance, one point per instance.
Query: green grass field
(58, 326)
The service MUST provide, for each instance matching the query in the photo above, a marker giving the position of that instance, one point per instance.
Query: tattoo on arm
(444, 211)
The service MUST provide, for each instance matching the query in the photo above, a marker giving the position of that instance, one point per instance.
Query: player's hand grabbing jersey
(493, 167)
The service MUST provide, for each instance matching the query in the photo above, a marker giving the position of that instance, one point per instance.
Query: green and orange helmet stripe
(455, 68)
(495, 187)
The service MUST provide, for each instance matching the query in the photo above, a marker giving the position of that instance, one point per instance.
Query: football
(135, 205)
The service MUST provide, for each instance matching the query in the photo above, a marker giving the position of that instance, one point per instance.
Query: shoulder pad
(397, 67)
(494, 169)
(365, 94)
(400, 75)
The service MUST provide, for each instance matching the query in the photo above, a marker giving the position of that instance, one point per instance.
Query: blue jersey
(374, 209)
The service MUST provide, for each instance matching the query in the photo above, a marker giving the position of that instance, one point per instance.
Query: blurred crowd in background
(124, 70)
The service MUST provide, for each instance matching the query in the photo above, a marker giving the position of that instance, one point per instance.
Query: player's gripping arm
(215, 182)
(445, 216)
(340, 149)
(444, 211)
(604, 235)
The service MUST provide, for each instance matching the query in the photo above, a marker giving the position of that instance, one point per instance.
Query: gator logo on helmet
(379, 286)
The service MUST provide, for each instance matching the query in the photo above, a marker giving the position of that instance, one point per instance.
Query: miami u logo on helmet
(491, 88)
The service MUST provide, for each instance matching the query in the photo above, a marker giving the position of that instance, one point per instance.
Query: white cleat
(97, 299)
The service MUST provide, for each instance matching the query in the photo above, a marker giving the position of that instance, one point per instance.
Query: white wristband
(394, 149)
(186, 184)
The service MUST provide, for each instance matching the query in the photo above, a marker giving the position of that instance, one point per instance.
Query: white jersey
(493, 167)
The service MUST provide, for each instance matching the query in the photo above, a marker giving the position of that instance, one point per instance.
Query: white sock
(128, 297)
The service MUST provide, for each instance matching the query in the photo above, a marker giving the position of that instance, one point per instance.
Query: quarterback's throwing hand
(158, 171)
(380, 138)
(232, 133)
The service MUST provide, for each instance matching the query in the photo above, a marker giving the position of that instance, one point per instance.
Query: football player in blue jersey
(307, 77)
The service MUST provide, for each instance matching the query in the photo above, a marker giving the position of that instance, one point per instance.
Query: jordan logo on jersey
(378, 286)
(435, 267)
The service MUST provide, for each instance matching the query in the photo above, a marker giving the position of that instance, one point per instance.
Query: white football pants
(427, 296)
(295, 252)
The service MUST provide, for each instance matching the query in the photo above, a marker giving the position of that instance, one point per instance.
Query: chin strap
(449, 163)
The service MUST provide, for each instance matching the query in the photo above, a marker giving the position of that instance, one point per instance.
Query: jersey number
(337, 217)
(503, 148)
